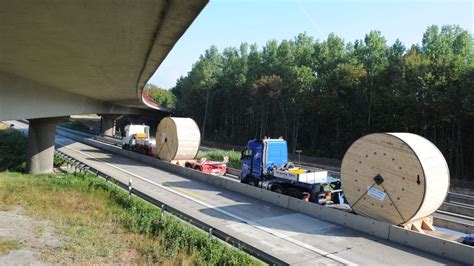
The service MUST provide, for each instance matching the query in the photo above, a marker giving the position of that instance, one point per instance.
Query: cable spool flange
(394, 177)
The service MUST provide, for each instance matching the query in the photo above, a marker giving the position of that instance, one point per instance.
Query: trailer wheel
(295, 193)
(142, 150)
(197, 168)
(277, 188)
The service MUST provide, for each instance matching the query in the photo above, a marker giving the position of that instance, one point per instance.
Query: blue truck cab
(259, 157)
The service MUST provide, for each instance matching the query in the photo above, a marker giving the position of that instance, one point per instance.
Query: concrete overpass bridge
(59, 58)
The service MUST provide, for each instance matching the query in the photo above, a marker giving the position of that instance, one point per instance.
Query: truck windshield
(246, 153)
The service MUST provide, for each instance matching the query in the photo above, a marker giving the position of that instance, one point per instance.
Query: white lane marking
(251, 223)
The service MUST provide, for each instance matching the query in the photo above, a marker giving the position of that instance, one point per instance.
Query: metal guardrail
(82, 168)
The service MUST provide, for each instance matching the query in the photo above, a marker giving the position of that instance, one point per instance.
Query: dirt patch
(37, 237)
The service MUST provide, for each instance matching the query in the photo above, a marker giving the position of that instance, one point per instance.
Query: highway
(292, 237)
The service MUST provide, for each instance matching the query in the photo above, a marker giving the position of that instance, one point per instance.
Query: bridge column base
(107, 124)
(40, 150)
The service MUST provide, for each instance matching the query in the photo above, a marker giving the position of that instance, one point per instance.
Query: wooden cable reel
(177, 138)
(394, 177)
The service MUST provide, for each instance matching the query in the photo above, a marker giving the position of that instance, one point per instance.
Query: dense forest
(323, 95)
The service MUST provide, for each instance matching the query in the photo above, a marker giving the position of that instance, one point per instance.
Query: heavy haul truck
(265, 164)
(171, 146)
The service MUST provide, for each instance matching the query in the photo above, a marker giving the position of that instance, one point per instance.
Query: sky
(226, 23)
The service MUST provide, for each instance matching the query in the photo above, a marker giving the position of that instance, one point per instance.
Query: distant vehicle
(137, 139)
(265, 163)
(207, 166)
(469, 240)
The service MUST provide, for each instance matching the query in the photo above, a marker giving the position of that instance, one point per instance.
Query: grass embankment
(218, 155)
(8, 245)
(101, 225)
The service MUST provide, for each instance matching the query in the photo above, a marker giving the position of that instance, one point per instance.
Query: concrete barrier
(431, 244)
(367, 225)
(356, 222)
(232, 171)
(275, 198)
(236, 187)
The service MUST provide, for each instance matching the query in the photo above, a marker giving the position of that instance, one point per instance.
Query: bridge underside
(59, 58)
(26, 99)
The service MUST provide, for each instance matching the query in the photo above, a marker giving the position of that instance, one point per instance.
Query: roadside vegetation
(218, 155)
(75, 125)
(101, 225)
(162, 97)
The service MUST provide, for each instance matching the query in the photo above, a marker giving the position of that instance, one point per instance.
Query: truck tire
(197, 168)
(252, 181)
(295, 193)
(277, 189)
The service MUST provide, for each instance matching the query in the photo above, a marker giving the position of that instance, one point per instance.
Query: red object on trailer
(209, 167)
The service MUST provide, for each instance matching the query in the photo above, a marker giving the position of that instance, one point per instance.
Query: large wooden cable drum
(394, 177)
(177, 138)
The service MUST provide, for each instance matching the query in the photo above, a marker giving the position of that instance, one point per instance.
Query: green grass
(218, 155)
(59, 161)
(8, 245)
(100, 221)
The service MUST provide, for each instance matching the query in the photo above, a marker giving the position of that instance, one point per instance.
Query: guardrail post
(130, 189)
(82, 171)
(210, 232)
(162, 213)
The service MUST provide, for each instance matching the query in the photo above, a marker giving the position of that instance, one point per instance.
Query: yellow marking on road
(185, 191)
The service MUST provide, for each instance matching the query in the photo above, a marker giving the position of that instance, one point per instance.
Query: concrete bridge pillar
(107, 124)
(40, 150)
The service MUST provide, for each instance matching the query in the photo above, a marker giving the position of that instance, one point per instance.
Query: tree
(266, 91)
(372, 54)
(161, 96)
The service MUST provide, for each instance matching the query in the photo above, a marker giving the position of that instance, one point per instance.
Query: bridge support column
(40, 150)
(107, 124)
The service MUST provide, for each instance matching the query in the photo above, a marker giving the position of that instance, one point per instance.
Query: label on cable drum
(376, 194)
